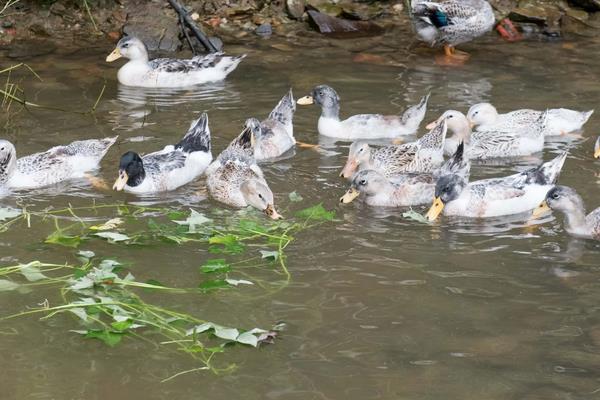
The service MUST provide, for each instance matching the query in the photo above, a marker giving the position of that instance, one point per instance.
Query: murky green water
(379, 307)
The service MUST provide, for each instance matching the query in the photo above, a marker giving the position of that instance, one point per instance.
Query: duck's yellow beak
(306, 101)
(436, 209)
(349, 169)
(472, 124)
(541, 210)
(115, 55)
(121, 181)
(272, 213)
(350, 195)
(597, 153)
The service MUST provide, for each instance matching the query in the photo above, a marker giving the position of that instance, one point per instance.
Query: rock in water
(341, 27)
(264, 30)
(588, 5)
(295, 8)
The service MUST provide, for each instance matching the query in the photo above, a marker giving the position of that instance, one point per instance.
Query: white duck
(168, 72)
(363, 126)
(484, 116)
(169, 168)
(58, 164)
(492, 143)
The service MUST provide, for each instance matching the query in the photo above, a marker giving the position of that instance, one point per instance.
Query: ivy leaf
(109, 338)
(216, 265)
(271, 255)
(113, 237)
(31, 272)
(193, 221)
(295, 197)
(230, 243)
(108, 225)
(415, 216)
(213, 284)
(235, 282)
(8, 213)
(317, 213)
(64, 240)
(6, 285)
(86, 254)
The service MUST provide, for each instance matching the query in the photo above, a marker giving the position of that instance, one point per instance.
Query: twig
(201, 36)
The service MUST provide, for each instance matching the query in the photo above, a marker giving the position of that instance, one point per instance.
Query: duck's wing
(486, 144)
(593, 221)
(434, 139)
(395, 159)
(198, 63)
(162, 162)
(491, 190)
(445, 13)
(284, 110)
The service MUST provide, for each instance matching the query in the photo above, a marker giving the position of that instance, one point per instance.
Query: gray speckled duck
(235, 179)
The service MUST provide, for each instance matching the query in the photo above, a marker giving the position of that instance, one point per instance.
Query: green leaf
(154, 282)
(86, 254)
(415, 216)
(235, 282)
(32, 273)
(6, 285)
(253, 226)
(271, 255)
(173, 215)
(109, 338)
(8, 213)
(108, 225)
(121, 325)
(113, 237)
(317, 213)
(230, 244)
(295, 197)
(193, 221)
(216, 265)
(226, 333)
(64, 240)
(213, 284)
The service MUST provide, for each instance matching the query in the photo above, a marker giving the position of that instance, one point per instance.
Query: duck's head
(560, 198)
(457, 123)
(447, 189)
(129, 47)
(482, 114)
(597, 148)
(131, 171)
(359, 153)
(323, 96)
(368, 182)
(259, 196)
(8, 158)
(253, 125)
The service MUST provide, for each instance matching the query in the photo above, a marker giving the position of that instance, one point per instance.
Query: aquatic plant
(105, 297)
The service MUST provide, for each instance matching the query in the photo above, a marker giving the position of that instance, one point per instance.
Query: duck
(567, 201)
(235, 178)
(274, 136)
(169, 168)
(597, 148)
(363, 126)
(421, 156)
(450, 23)
(60, 163)
(484, 116)
(402, 190)
(494, 197)
(494, 143)
(168, 72)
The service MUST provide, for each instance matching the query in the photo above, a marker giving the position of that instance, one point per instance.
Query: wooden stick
(194, 28)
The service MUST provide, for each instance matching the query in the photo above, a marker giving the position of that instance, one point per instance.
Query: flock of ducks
(395, 175)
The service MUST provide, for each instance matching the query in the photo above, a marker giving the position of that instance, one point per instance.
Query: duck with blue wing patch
(58, 164)
(168, 72)
(169, 168)
(451, 22)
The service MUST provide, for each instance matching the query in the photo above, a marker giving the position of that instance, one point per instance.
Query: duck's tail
(458, 164)
(435, 138)
(284, 110)
(233, 62)
(413, 116)
(197, 137)
(96, 148)
(547, 173)
(243, 141)
(586, 115)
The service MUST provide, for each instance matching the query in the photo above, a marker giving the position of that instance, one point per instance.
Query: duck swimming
(495, 197)
(169, 168)
(168, 72)
(58, 164)
(492, 143)
(451, 22)
(275, 135)
(363, 126)
(235, 179)
(567, 201)
(402, 190)
(561, 121)
(424, 155)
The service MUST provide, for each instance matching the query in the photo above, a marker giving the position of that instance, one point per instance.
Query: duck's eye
(363, 182)
(125, 45)
(450, 116)
(476, 112)
(446, 189)
(2, 149)
(260, 196)
(555, 196)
